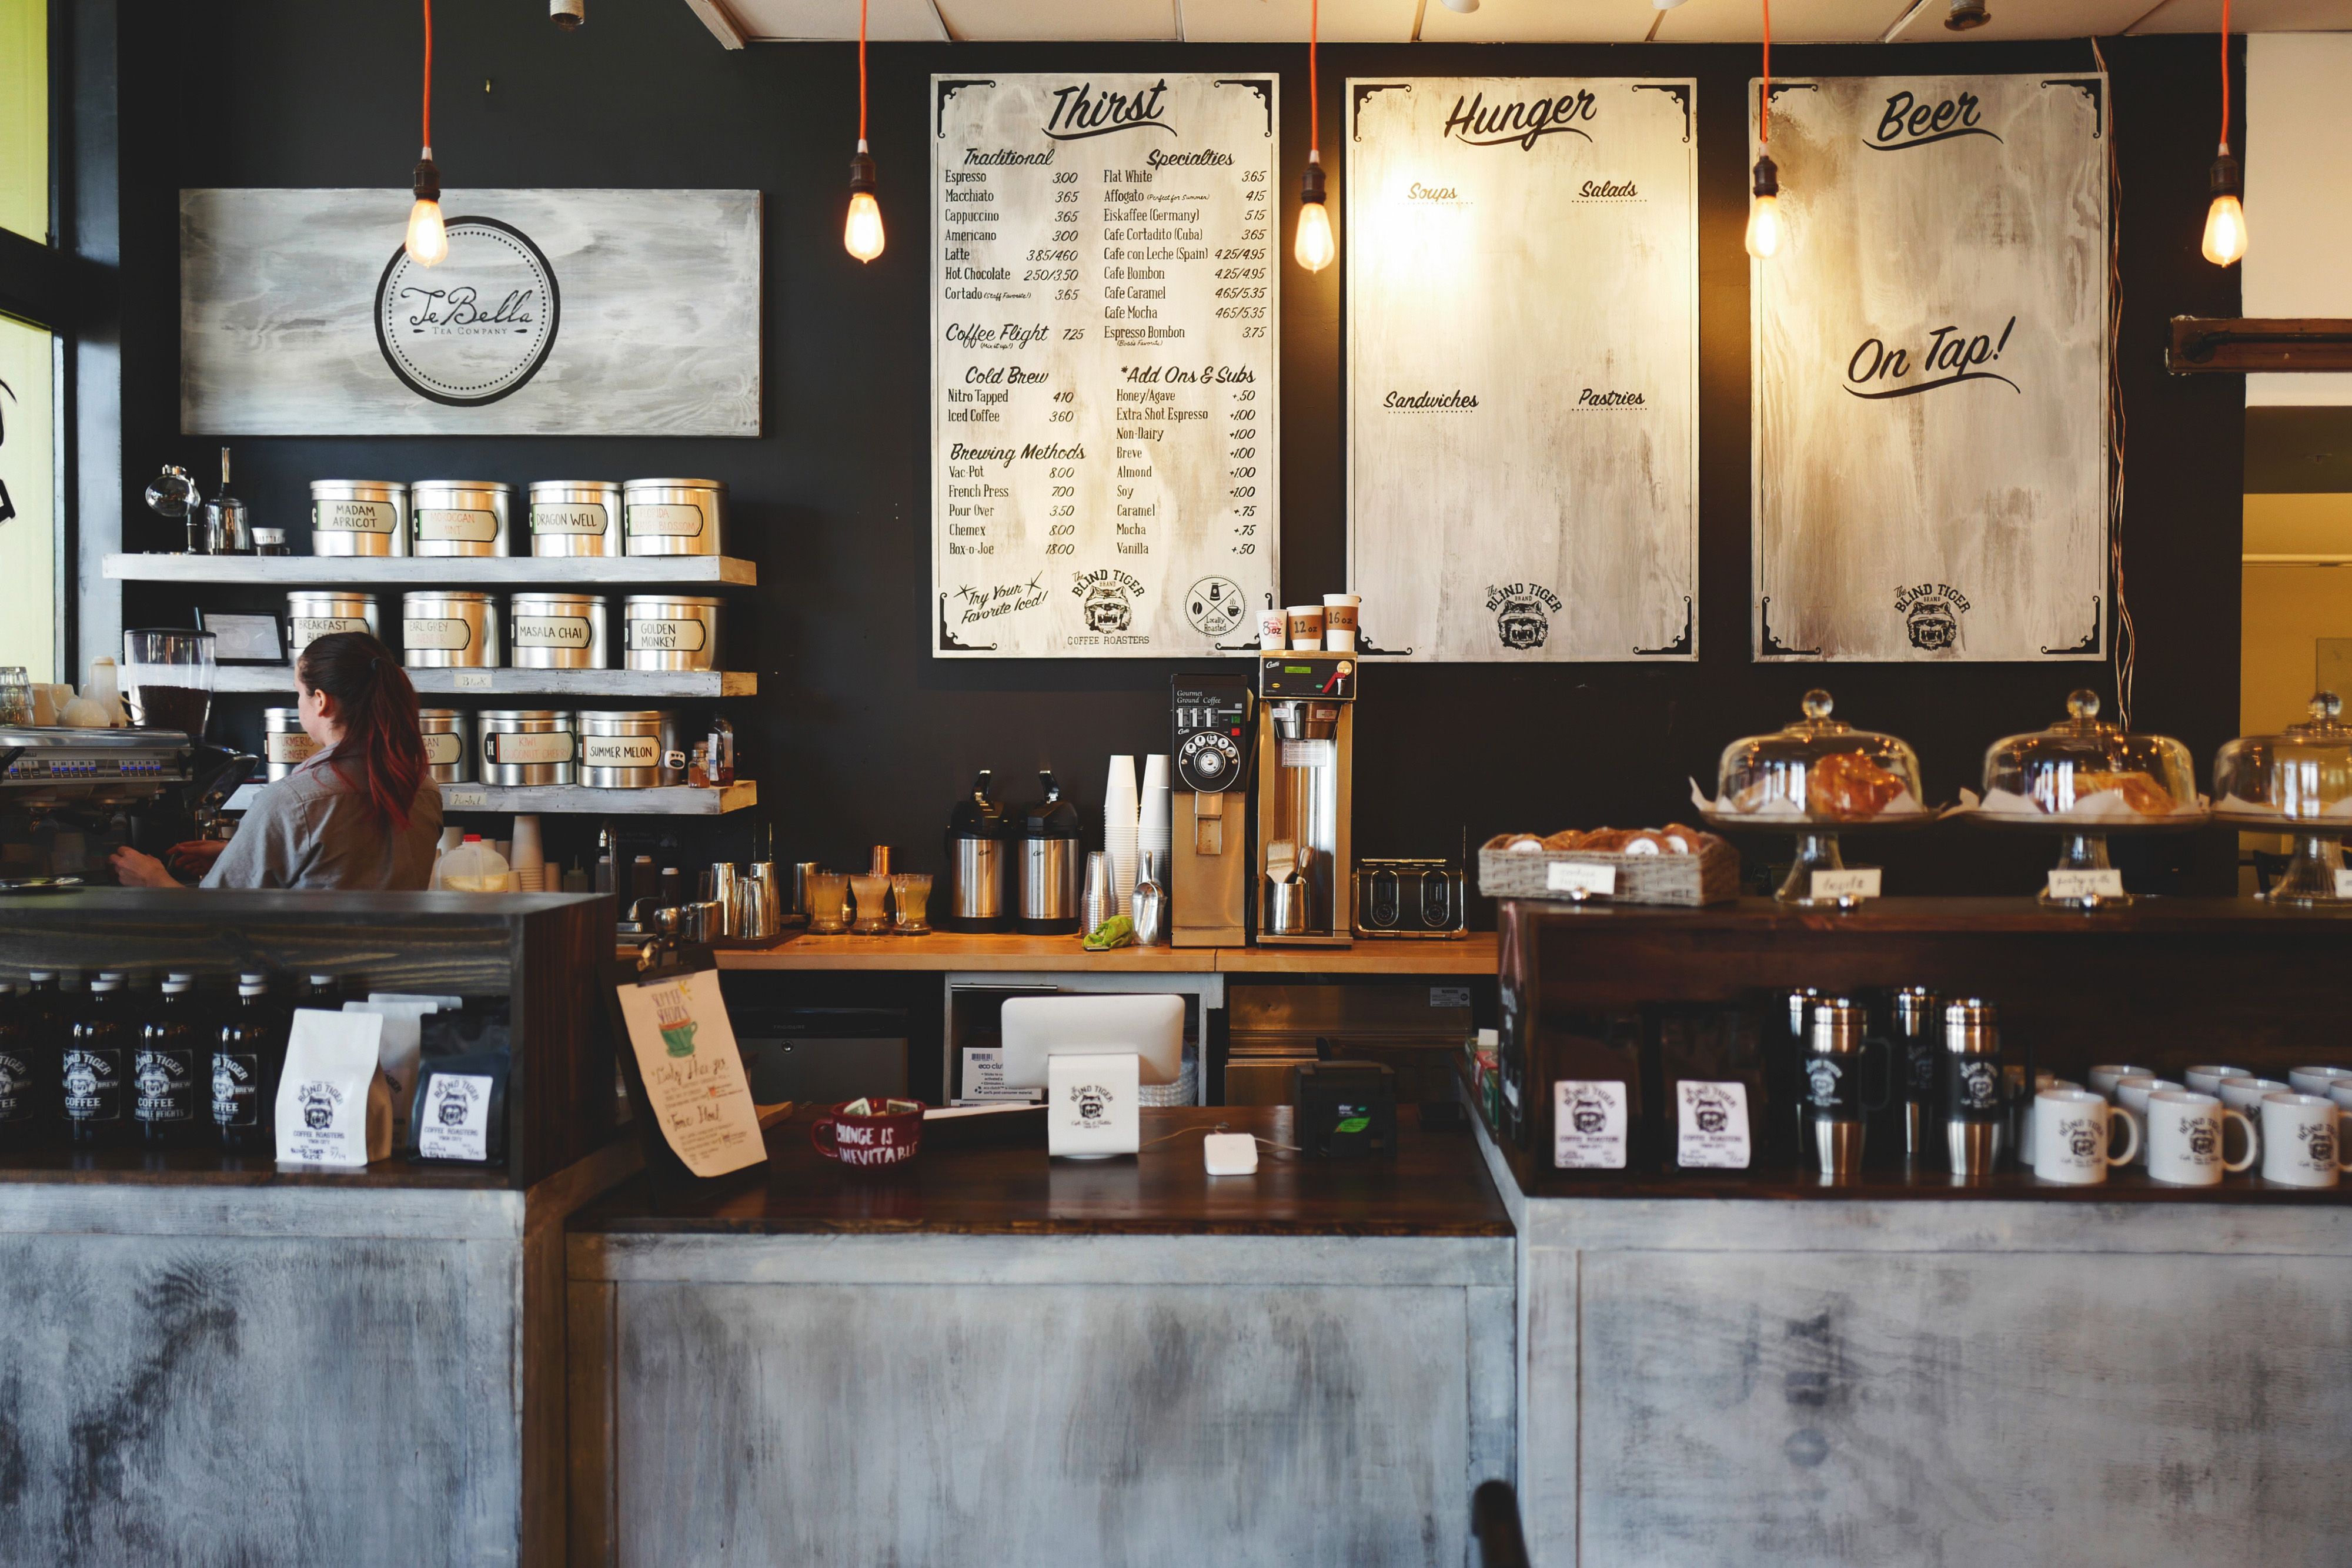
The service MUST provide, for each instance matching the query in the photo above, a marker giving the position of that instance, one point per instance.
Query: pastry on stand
(2300, 782)
(1818, 778)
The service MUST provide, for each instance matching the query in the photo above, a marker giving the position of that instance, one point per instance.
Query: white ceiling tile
(1079, 21)
(1794, 21)
(886, 21)
(2029, 19)
(1285, 21)
(1539, 22)
(2250, 17)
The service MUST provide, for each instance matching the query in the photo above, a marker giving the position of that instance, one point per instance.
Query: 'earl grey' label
(588, 518)
(551, 632)
(519, 750)
(442, 636)
(1588, 1125)
(668, 637)
(666, 518)
(451, 523)
(442, 749)
(354, 517)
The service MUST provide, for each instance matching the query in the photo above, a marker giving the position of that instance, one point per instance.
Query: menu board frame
(1105, 399)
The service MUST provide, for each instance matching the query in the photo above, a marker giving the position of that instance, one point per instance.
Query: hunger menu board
(1106, 468)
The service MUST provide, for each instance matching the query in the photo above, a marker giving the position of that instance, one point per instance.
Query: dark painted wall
(858, 735)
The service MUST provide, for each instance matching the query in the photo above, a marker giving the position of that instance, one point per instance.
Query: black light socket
(861, 172)
(425, 185)
(2229, 179)
(1768, 176)
(1311, 183)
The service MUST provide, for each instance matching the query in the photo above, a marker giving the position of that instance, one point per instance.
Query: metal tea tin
(631, 750)
(458, 516)
(576, 516)
(358, 516)
(448, 743)
(669, 632)
(315, 613)
(284, 745)
(449, 629)
(527, 746)
(556, 631)
(675, 517)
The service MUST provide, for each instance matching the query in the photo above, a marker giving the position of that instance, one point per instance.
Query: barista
(362, 813)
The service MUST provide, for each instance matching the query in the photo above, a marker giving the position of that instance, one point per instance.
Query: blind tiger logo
(1093, 1101)
(1931, 613)
(1711, 1111)
(1588, 1113)
(1523, 612)
(1106, 599)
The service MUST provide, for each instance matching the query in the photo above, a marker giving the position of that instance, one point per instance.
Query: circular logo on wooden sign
(475, 327)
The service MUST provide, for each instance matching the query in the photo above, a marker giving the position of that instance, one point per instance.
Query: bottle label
(454, 1121)
(620, 751)
(518, 749)
(453, 523)
(668, 637)
(237, 1079)
(442, 749)
(354, 517)
(552, 632)
(17, 1103)
(291, 747)
(581, 518)
(164, 1080)
(93, 1083)
(1588, 1125)
(443, 636)
(683, 522)
(1712, 1125)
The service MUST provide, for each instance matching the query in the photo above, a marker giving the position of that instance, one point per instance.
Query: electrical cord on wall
(2126, 648)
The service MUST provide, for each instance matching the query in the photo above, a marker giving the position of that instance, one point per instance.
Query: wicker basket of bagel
(1672, 864)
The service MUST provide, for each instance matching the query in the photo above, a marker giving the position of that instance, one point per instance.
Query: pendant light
(427, 241)
(1313, 249)
(862, 235)
(1764, 208)
(2225, 220)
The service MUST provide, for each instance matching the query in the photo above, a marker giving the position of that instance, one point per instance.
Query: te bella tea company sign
(1930, 372)
(557, 312)
(1523, 368)
(1105, 464)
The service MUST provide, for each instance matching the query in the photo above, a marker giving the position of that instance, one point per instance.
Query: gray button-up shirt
(313, 829)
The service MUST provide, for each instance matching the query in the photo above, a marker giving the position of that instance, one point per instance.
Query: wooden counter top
(133, 1166)
(943, 951)
(1436, 1185)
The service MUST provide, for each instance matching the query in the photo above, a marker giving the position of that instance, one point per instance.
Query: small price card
(457, 798)
(2080, 885)
(1578, 876)
(474, 680)
(1836, 884)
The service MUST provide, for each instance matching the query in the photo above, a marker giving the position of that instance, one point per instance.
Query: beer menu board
(1106, 472)
(1523, 368)
(1930, 372)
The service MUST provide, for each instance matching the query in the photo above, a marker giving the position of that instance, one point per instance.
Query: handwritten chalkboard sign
(1930, 372)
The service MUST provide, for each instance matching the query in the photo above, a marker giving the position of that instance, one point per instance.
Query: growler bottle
(21, 1109)
(164, 1079)
(249, 1055)
(96, 1064)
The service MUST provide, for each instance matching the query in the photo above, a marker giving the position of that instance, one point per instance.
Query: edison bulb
(1314, 249)
(862, 236)
(428, 242)
(1764, 226)
(2225, 232)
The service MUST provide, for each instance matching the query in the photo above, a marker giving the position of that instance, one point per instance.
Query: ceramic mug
(2299, 1143)
(2131, 1094)
(2342, 1095)
(2319, 1080)
(2186, 1142)
(2029, 1144)
(2245, 1096)
(2103, 1079)
(856, 1134)
(2073, 1136)
(2208, 1080)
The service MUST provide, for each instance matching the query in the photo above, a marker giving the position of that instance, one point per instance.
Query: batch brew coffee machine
(1290, 880)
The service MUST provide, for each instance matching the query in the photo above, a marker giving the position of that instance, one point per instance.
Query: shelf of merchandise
(679, 801)
(682, 686)
(690, 571)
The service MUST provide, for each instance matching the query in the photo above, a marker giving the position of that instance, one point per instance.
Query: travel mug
(1918, 1024)
(1838, 1100)
(1975, 1112)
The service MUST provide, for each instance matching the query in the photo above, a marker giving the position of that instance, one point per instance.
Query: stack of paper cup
(1152, 828)
(1340, 623)
(1119, 829)
(528, 863)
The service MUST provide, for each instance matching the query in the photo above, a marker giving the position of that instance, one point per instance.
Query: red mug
(867, 1139)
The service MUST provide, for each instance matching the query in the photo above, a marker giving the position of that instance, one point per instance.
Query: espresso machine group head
(1301, 862)
(1208, 835)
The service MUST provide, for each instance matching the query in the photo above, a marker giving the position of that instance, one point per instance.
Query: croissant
(2140, 792)
(1846, 784)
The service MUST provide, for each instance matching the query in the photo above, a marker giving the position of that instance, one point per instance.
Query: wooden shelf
(423, 571)
(561, 800)
(952, 951)
(683, 684)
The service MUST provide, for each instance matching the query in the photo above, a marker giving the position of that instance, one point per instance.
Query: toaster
(1410, 899)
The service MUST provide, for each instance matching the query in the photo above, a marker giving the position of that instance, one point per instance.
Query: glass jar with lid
(2298, 781)
(1817, 778)
(2085, 777)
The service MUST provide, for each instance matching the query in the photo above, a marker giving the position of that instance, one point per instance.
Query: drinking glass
(828, 897)
(873, 911)
(168, 674)
(913, 897)
(15, 695)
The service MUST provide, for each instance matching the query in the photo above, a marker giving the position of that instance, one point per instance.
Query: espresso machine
(1208, 831)
(68, 797)
(1301, 863)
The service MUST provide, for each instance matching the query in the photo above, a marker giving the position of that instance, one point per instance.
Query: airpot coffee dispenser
(977, 830)
(1209, 810)
(1049, 858)
(1306, 797)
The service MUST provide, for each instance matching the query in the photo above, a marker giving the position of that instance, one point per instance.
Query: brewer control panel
(1211, 739)
(1287, 677)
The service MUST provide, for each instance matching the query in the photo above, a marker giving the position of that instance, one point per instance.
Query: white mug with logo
(2342, 1095)
(2300, 1146)
(2246, 1094)
(2030, 1138)
(2208, 1080)
(2186, 1143)
(2103, 1079)
(2131, 1094)
(2319, 1080)
(2073, 1136)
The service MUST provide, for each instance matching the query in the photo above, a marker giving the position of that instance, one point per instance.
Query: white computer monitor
(1037, 1028)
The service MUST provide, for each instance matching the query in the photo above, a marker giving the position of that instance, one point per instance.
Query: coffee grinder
(1208, 832)
(1300, 862)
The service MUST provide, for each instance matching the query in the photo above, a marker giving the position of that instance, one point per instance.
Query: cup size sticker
(453, 523)
(586, 517)
(1588, 1124)
(1712, 1127)
(454, 1123)
(673, 521)
(354, 517)
(668, 637)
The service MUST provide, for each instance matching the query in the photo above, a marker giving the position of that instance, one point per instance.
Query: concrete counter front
(989, 1358)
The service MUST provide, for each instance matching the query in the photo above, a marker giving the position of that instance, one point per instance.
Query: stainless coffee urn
(975, 863)
(1049, 857)
(1207, 885)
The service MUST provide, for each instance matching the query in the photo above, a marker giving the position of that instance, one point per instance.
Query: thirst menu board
(1105, 470)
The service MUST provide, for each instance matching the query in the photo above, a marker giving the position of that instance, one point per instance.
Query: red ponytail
(378, 707)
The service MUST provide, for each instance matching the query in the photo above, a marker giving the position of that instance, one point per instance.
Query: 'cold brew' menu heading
(1106, 473)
